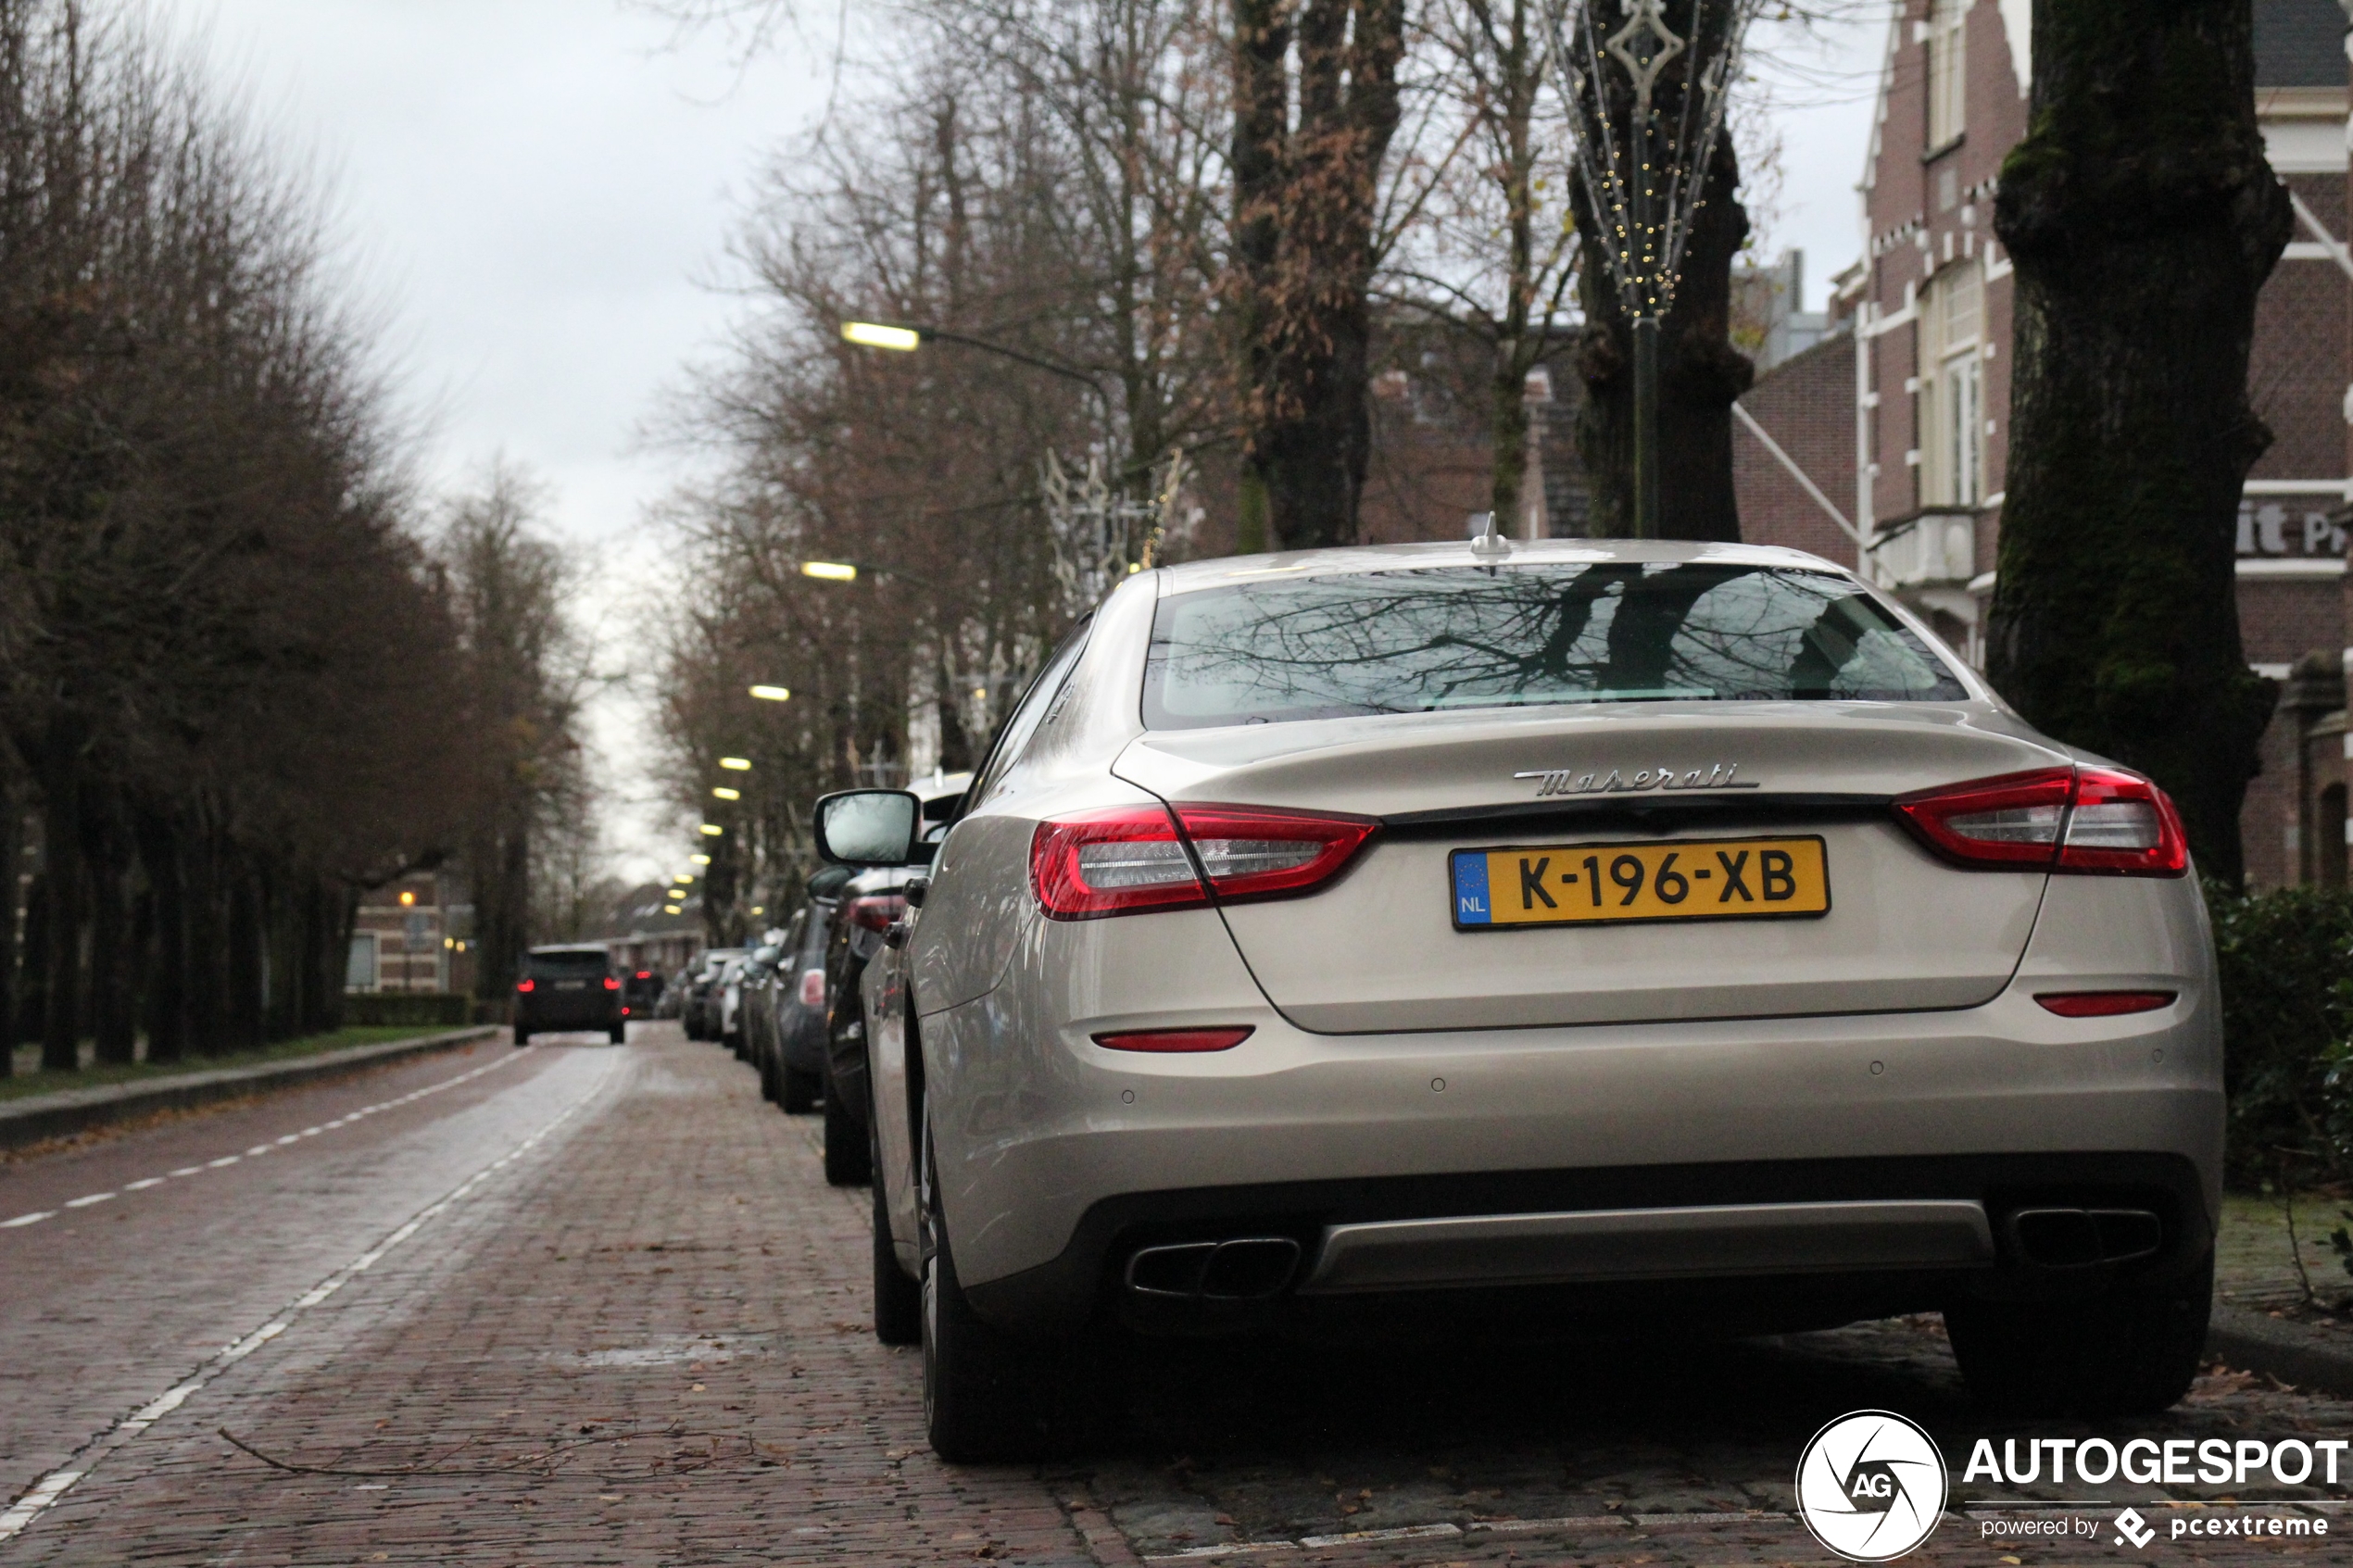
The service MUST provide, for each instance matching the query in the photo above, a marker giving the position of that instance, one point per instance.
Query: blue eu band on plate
(1679, 879)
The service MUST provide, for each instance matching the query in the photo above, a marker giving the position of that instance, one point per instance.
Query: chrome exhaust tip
(1245, 1269)
(2082, 1239)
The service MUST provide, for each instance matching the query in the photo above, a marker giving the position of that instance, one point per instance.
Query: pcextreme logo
(1871, 1485)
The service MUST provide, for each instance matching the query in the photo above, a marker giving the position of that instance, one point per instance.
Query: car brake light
(645, 975)
(613, 983)
(2087, 819)
(2104, 1004)
(812, 987)
(625, 1012)
(526, 985)
(1128, 858)
(1171, 1040)
(876, 911)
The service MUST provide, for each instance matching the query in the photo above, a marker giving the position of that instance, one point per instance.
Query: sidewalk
(36, 1118)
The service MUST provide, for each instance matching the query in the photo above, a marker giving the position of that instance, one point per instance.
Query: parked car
(755, 1004)
(865, 909)
(726, 1003)
(568, 990)
(792, 1064)
(697, 1009)
(1571, 932)
(640, 992)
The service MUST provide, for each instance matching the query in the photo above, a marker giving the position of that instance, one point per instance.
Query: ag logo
(1871, 1486)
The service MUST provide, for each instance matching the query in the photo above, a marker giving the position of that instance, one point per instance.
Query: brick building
(412, 934)
(1897, 422)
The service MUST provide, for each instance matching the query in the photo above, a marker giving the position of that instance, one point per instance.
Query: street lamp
(1645, 183)
(711, 830)
(723, 793)
(698, 859)
(874, 335)
(736, 764)
(904, 339)
(830, 570)
(770, 694)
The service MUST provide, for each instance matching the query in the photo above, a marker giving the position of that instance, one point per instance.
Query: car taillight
(812, 987)
(2104, 1004)
(2087, 819)
(526, 985)
(1171, 1040)
(876, 911)
(613, 983)
(645, 975)
(1128, 858)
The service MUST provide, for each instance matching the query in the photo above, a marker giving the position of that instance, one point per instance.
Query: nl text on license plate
(1685, 879)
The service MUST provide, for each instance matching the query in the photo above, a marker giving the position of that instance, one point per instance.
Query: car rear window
(1539, 634)
(567, 965)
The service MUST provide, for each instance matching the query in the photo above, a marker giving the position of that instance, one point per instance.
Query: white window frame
(1946, 55)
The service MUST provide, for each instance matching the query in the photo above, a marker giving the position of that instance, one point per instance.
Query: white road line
(94, 1197)
(50, 1488)
(261, 1148)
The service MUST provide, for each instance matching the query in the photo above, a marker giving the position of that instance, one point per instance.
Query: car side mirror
(868, 827)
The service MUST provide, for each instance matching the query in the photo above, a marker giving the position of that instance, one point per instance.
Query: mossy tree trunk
(2141, 220)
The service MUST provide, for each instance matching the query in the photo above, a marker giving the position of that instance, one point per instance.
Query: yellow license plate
(1687, 878)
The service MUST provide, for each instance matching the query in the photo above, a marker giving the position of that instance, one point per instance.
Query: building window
(1947, 70)
(359, 966)
(1951, 387)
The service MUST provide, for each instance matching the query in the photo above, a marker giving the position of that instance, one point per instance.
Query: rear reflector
(1177, 1039)
(2104, 1004)
(613, 983)
(2086, 820)
(1135, 857)
(812, 987)
(526, 985)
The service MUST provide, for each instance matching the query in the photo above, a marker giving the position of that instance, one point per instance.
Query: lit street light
(712, 829)
(874, 335)
(698, 859)
(830, 570)
(736, 764)
(723, 793)
(770, 693)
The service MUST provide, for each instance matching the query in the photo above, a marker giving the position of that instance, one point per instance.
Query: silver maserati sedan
(1541, 939)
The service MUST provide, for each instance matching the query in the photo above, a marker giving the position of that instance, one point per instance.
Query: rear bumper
(1744, 1247)
(552, 1017)
(1052, 1177)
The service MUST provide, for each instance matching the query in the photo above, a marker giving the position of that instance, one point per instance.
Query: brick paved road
(643, 1340)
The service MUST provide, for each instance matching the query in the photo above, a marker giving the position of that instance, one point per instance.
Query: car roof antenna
(1486, 540)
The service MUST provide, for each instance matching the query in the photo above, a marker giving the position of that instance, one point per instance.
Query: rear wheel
(2132, 1349)
(800, 1092)
(618, 1033)
(988, 1395)
(522, 1036)
(898, 1300)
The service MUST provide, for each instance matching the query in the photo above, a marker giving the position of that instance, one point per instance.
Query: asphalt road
(582, 1305)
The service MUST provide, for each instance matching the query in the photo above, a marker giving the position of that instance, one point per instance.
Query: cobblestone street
(643, 1339)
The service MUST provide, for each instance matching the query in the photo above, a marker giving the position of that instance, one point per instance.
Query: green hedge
(2286, 959)
(429, 1010)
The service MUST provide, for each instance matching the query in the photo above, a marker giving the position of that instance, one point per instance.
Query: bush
(2284, 960)
(425, 1010)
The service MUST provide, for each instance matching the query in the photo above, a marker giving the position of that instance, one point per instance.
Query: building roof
(2299, 44)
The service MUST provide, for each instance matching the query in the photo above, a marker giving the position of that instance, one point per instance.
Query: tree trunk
(113, 996)
(32, 969)
(166, 987)
(1306, 190)
(61, 851)
(12, 860)
(207, 943)
(2141, 220)
(245, 1009)
(1701, 374)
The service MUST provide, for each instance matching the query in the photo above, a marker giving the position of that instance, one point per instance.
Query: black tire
(987, 1396)
(2131, 1350)
(618, 1033)
(522, 1036)
(768, 1087)
(800, 1092)
(898, 1300)
(849, 1158)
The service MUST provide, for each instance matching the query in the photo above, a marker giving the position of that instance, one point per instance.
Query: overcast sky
(537, 191)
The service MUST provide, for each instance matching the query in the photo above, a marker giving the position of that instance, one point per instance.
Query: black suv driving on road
(567, 989)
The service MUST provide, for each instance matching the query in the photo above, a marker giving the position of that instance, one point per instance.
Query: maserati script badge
(1569, 781)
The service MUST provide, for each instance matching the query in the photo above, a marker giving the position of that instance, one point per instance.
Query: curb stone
(2307, 1358)
(39, 1117)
